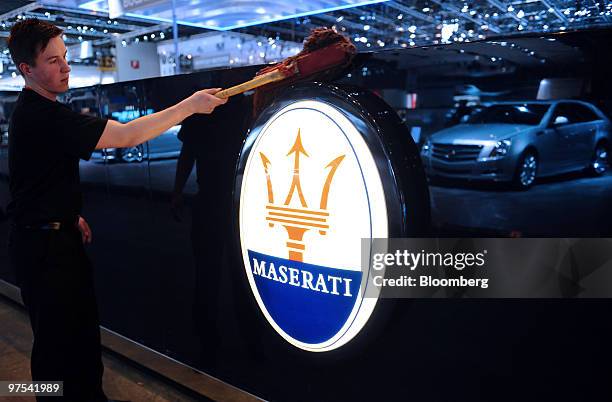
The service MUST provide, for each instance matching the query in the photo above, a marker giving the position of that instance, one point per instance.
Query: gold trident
(297, 220)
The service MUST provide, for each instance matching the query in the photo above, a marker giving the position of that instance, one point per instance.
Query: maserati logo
(298, 219)
(309, 193)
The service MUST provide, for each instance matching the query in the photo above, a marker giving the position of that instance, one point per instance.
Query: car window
(585, 114)
(519, 113)
(568, 111)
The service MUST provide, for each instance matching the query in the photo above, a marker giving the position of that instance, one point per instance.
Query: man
(46, 140)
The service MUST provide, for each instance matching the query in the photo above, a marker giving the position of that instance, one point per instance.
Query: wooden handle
(258, 81)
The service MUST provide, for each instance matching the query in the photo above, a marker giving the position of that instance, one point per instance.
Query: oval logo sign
(310, 193)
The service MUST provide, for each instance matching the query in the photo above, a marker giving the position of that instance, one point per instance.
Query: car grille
(451, 171)
(456, 152)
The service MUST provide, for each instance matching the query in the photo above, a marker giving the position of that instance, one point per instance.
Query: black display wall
(178, 286)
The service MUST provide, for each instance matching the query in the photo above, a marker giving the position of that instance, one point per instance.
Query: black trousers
(56, 281)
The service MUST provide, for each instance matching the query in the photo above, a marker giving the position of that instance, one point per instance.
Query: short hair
(28, 38)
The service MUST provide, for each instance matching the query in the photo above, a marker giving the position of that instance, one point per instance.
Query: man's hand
(85, 230)
(205, 101)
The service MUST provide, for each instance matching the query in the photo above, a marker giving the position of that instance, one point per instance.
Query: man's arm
(120, 135)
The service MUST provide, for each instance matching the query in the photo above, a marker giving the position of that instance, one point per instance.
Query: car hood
(478, 132)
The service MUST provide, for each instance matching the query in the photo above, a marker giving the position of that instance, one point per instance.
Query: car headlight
(426, 147)
(501, 148)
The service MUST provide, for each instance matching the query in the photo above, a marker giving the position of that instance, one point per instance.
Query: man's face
(51, 70)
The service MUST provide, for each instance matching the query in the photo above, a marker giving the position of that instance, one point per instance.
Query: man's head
(39, 53)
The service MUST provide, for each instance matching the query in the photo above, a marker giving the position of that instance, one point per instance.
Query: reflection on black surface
(210, 144)
(508, 114)
(530, 114)
(494, 142)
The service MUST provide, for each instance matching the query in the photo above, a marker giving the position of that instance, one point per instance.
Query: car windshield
(520, 113)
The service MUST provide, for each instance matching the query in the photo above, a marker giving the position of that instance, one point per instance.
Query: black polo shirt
(46, 140)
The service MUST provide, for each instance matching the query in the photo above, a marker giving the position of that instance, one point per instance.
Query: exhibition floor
(122, 379)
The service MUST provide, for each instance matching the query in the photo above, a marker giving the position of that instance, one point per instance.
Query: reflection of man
(46, 141)
(215, 157)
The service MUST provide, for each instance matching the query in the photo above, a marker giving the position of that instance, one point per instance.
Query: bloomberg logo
(310, 192)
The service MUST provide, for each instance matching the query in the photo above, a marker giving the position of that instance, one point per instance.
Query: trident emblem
(298, 220)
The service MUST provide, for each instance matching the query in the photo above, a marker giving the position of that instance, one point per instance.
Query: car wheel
(526, 171)
(600, 162)
(132, 154)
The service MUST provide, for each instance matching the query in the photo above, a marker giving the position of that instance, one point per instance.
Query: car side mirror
(560, 120)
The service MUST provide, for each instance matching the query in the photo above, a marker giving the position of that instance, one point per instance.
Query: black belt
(54, 225)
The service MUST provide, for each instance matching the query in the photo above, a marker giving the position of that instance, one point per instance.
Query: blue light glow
(231, 14)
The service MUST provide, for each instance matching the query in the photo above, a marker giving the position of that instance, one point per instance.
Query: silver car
(520, 141)
(167, 145)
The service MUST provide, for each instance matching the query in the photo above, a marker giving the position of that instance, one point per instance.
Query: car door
(166, 145)
(551, 144)
(583, 137)
(561, 126)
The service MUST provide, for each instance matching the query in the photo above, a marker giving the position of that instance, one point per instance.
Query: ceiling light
(448, 30)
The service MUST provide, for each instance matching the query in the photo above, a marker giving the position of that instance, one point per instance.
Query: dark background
(150, 288)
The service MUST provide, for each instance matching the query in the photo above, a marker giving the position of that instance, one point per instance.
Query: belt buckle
(51, 226)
